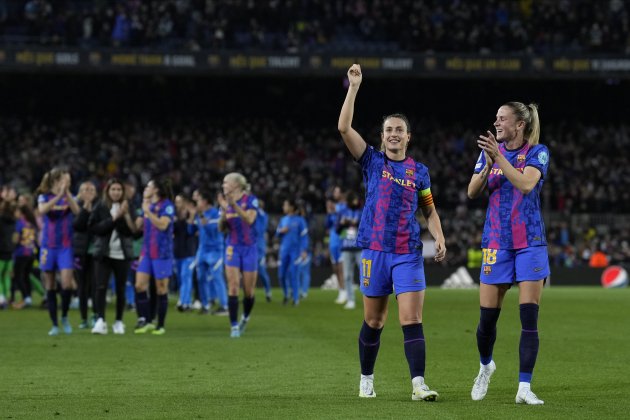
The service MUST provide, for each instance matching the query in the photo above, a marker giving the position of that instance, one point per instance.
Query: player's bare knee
(375, 322)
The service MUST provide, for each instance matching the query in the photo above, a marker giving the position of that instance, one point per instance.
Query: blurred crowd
(285, 159)
(475, 26)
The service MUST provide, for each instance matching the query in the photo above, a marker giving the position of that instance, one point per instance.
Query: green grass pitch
(302, 362)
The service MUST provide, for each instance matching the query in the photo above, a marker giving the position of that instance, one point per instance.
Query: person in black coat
(81, 244)
(113, 228)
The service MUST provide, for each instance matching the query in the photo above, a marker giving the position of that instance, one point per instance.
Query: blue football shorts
(505, 266)
(383, 273)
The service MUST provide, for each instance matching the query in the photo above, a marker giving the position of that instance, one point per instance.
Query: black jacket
(101, 225)
(81, 237)
(7, 230)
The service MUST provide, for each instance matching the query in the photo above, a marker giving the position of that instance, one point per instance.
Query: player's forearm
(160, 223)
(347, 110)
(47, 206)
(248, 216)
(518, 179)
(72, 203)
(435, 226)
(478, 183)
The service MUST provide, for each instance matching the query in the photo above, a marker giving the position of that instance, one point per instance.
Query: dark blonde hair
(49, 179)
(529, 115)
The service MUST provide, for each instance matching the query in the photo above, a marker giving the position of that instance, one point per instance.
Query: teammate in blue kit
(205, 219)
(239, 211)
(513, 166)
(389, 234)
(156, 258)
(58, 207)
(334, 207)
(348, 228)
(184, 249)
(304, 267)
(262, 221)
(292, 231)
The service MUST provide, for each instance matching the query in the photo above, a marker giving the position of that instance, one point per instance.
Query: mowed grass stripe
(301, 362)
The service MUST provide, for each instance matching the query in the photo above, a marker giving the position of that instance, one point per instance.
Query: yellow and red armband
(426, 198)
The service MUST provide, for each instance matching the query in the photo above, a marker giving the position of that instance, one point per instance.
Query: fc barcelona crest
(487, 270)
(366, 282)
(409, 172)
(520, 158)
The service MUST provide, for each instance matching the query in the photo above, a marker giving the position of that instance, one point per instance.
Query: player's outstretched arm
(351, 138)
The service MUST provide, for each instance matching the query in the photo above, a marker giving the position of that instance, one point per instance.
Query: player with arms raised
(389, 234)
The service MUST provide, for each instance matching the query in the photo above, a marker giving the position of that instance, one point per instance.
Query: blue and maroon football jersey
(26, 238)
(514, 219)
(242, 233)
(158, 244)
(388, 222)
(57, 230)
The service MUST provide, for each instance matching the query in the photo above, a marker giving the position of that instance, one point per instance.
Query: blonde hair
(529, 115)
(240, 180)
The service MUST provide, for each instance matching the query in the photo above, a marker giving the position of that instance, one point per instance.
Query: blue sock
(528, 347)
(142, 305)
(415, 349)
(233, 309)
(51, 298)
(487, 333)
(66, 298)
(369, 343)
(248, 304)
(162, 306)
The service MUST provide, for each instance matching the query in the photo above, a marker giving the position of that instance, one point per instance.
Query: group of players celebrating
(386, 244)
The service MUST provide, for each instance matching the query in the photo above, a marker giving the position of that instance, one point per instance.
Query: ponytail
(44, 185)
(529, 115)
(533, 128)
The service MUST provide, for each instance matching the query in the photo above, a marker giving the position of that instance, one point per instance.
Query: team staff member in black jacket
(112, 224)
(81, 243)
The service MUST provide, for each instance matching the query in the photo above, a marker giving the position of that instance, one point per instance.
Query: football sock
(66, 298)
(248, 304)
(142, 305)
(162, 306)
(528, 346)
(414, 348)
(51, 298)
(487, 333)
(369, 343)
(233, 309)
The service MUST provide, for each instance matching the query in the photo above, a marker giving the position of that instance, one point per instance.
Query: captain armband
(426, 198)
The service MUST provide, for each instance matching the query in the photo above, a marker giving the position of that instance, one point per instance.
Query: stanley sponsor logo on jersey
(499, 171)
(401, 182)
